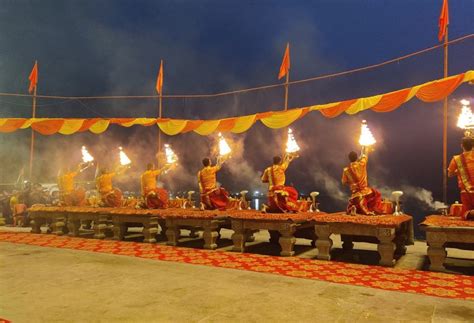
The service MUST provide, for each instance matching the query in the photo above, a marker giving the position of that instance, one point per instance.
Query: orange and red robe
(463, 167)
(364, 198)
(212, 197)
(155, 197)
(281, 198)
(69, 195)
(110, 196)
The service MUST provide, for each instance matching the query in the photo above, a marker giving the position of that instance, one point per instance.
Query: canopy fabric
(428, 92)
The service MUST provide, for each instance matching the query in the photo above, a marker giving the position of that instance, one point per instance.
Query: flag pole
(160, 113)
(445, 124)
(286, 88)
(32, 144)
(287, 83)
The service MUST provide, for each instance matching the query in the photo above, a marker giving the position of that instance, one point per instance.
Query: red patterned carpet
(411, 281)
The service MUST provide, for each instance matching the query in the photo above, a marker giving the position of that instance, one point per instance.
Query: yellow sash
(463, 173)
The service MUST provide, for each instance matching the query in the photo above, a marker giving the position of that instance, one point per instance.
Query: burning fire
(171, 157)
(86, 157)
(366, 138)
(466, 118)
(291, 144)
(124, 160)
(224, 148)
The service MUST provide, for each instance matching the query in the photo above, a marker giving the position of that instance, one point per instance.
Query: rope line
(185, 96)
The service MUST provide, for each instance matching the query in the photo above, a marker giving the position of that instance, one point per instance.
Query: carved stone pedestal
(56, 221)
(281, 231)
(148, 221)
(211, 227)
(388, 238)
(440, 237)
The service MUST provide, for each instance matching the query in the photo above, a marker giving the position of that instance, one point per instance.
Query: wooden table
(446, 231)
(390, 233)
(282, 226)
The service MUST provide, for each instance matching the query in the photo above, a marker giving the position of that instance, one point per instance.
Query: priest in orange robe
(212, 197)
(70, 195)
(281, 198)
(109, 195)
(462, 166)
(155, 197)
(364, 199)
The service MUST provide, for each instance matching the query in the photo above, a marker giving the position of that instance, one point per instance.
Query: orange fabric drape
(226, 124)
(159, 79)
(33, 78)
(47, 127)
(438, 90)
(427, 92)
(285, 64)
(121, 121)
(12, 125)
(191, 125)
(338, 109)
(391, 101)
(87, 124)
(262, 115)
(443, 21)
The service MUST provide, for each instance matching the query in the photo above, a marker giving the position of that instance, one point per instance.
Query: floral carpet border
(391, 279)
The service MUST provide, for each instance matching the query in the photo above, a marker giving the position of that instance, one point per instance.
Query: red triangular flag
(285, 64)
(443, 20)
(159, 79)
(33, 78)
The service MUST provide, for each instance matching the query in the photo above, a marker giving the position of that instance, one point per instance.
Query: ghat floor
(39, 284)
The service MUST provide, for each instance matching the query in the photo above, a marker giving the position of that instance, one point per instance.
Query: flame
(171, 157)
(291, 144)
(366, 138)
(466, 118)
(224, 148)
(86, 157)
(124, 160)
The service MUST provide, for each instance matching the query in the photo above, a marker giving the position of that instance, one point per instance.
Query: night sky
(114, 48)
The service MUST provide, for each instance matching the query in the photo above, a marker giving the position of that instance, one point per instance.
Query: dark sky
(114, 48)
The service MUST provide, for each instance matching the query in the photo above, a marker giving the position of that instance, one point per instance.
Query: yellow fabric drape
(364, 104)
(244, 123)
(428, 92)
(100, 126)
(172, 127)
(207, 127)
(71, 126)
(281, 119)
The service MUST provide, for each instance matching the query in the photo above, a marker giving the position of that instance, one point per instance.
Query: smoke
(418, 193)
(329, 185)
(242, 175)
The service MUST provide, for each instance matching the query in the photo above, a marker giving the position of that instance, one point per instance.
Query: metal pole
(160, 113)
(32, 145)
(445, 124)
(286, 89)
